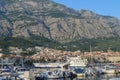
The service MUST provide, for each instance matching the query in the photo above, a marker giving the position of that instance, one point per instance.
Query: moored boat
(55, 74)
(79, 72)
(108, 69)
(77, 65)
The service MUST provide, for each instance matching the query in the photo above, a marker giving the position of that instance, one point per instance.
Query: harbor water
(101, 77)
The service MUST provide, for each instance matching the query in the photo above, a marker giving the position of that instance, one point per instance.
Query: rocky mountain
(26, 18)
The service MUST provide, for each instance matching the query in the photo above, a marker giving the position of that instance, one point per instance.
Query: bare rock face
(26, 18)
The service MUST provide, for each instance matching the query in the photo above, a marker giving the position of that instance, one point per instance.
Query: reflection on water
(101, 77)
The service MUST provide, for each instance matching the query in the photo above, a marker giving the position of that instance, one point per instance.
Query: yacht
(77, 61)
(77, 65)
(55, 74)
(53, 71)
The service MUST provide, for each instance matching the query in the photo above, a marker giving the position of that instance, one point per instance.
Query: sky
(103, 7)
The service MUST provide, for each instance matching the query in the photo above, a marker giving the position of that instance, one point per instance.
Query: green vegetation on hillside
(19, 42)
(96, 44)
(59, 14)
(100, 44)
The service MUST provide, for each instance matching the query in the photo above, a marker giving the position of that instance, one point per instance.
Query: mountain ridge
(26, 18)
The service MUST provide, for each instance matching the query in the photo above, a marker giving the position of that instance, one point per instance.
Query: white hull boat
(108, 69)
(56, 74)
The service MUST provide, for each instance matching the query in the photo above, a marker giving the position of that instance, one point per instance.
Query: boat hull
(108, 71)
(80, 75)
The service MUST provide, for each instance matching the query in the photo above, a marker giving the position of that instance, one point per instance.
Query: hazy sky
(104, 7)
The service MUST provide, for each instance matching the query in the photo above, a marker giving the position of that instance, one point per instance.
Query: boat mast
(90, 54)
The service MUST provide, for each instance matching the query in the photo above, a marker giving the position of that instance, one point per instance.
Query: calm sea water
(101, 77)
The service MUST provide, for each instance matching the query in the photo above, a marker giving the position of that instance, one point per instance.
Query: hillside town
(59, 40)
(39, 63)
(43, 54)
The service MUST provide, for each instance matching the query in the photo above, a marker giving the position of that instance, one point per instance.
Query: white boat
(108, 69)
(114, 79)
(55, 74)
(5, 71)
(2, 78)
(77, 65)
(22, 73)
(21, 70)
(25, 76)
(77, 61)
(50, 65)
